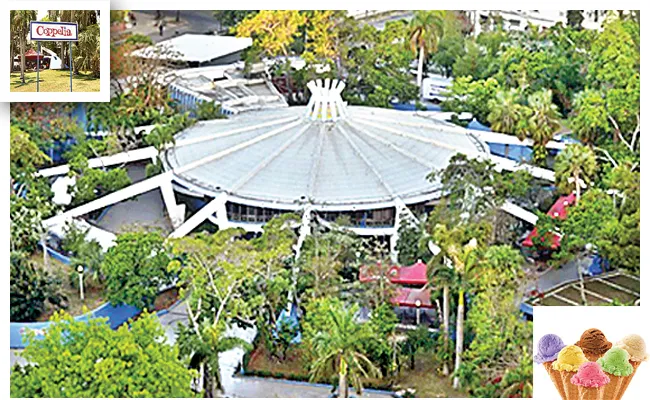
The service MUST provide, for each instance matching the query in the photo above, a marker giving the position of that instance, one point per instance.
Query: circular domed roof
(326, 154)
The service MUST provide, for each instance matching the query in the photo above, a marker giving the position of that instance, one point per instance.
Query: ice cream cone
(548, 348)
(612, 388)
(567, 364)
(635, 347)
(594, 344)
(625, 382)
(556, 378)
(570, 390)
(590, 393)
(617, 366)
(590, 381)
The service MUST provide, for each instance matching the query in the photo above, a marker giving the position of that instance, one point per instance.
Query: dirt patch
(166, 299)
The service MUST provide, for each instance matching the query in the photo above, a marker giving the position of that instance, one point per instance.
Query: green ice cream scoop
(616, 362)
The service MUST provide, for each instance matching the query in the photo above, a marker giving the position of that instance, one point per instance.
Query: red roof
(415, 274)
(408, 297)
(31, 54)
(557, 210)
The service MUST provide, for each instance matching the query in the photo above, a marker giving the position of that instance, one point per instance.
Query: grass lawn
(54, 80)
(424, 378)
(426, 381)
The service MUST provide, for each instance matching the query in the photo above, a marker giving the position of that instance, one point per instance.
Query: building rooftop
(195, 48)
(327, 154)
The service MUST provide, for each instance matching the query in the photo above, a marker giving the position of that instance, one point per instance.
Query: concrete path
(145, 210)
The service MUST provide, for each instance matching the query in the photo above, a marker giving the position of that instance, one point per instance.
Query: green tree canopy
(88, 359)
(136, 268)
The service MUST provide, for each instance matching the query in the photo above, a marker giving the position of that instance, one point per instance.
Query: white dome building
(323, 160)
(333, 159)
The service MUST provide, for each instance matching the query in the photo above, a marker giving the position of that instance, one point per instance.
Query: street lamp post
(418, 304)
(80, 270)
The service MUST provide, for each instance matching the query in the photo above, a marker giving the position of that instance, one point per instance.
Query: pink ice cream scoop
(590, 374)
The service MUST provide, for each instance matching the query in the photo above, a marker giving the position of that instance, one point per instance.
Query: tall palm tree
(573, 166)
(339, 346)
(441, 273)
(463, 257)
(507, 114)
(20, 25)
(426, 29)
(544, 120)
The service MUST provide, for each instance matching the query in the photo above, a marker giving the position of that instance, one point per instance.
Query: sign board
(59, 31)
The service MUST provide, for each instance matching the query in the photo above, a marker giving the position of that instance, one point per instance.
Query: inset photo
(594, 353)
(57, 51)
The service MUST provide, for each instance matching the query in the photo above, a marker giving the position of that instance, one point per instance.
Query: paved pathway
(146, 210)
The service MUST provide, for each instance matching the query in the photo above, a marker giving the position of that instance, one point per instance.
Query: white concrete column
(175, 211)
(303, 232)
(217, 204)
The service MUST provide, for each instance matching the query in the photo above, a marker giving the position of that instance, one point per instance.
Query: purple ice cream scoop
(548, 348)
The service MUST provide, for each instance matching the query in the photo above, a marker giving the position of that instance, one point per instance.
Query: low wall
(116, 315)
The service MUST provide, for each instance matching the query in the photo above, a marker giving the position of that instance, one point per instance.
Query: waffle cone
(590, 393)
(570, 390)
(556, 378)
(612, 388)
(625, 382)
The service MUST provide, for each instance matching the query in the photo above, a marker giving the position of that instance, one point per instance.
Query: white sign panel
(59, 31)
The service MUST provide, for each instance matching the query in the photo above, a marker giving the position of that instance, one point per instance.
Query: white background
(569, 323)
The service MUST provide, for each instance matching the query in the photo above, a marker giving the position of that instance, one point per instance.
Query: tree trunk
(11, 56)
(577, 183)
(582, 287)
(445, 325)
(420, 69)
(178, 16)
(459, 335)
(343, 381)
(22, 58)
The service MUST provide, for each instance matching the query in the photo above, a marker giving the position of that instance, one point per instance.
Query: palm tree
(573, 166)
(339, 346)
(442, 274)
(544, 120)
(463, 257)
(20, 25)
(507, 114)
(87, 57)
(203, 351)
(426, 29)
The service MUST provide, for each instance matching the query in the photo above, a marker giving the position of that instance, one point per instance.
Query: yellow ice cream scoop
(569, 359)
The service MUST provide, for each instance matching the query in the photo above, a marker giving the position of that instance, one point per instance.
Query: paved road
(380, 22)
(201, 21)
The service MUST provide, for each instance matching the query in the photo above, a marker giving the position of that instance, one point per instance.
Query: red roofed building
(413, 275)
(558, 210)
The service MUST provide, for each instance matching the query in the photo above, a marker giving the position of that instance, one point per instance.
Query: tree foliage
(89, 359)
(136, 268)
(32, 289)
